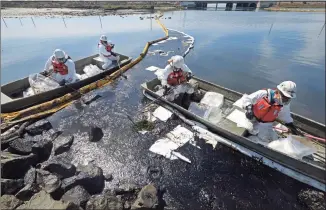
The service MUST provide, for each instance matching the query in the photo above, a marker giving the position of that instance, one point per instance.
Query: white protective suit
(182, 88)
(265, 131)
(69, 78)
(106, 56)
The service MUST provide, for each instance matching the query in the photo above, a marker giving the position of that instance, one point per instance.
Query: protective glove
(166, 90)
(46, 73)
(249, 112)
(62, 82)
(294, 130)
(189, 76)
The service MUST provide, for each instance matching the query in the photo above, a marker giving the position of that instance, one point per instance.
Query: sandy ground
(52, 12)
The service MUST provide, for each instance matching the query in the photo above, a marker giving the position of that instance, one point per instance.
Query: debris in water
(144, 125)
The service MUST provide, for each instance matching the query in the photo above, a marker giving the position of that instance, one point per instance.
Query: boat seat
(230, 125)
(5, 99)
(98, 62)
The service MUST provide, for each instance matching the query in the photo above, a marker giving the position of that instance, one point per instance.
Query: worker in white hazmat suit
(60, 68)
(105, 48)
(174, 79)
(263, 107)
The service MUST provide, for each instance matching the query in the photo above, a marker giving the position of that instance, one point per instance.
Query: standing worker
(105, 48)
(60, 68)
(265, 106)
(176, 75)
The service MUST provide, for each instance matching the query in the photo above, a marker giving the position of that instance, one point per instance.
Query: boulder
(91, 178)
(95, 134)
(21, 146)
(43, 200)
(69, 183)
(30, 176)
(27, 192)
(147, 198)
(312, 199)
(15, 166)
(108, 177)
(126, 188)
(62, 144)
(9, 202)
(103, 202)
(11, 186)
(59, 166)
(42, 149)
(51, 134)
(38, 127)
(47, 181)
(77, 195)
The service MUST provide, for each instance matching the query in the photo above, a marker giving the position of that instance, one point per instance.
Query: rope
(50, 107)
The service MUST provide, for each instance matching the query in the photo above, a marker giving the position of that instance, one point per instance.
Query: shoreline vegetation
(82, 8)
(12, 9)
(298, 7)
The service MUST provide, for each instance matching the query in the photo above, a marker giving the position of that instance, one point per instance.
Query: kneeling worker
(175, 77)
(60, 68)
(105, 48)
(265, 106)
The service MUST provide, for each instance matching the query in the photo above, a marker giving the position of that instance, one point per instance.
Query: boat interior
(14, 90)
(229, 113)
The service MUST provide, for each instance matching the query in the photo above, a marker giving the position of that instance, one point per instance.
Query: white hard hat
(288, 88)
(110, 42)
(177, 61)
(59, 54)
(103, 38)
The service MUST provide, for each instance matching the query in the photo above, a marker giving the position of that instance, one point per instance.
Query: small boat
(12, 98)
(309, 170)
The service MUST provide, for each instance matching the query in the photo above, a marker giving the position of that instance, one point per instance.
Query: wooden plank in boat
(5, 98)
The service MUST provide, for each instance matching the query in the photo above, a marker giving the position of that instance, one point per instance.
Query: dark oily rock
(30, 176)
(95, 134)
(9, 202)
(11, 186)
(91, 178)
(147, 198)
(77, 195)
(42, 149)
(59, 166)
(15, 166)
(43, 200)
(126, 205)
(108, 177)
(68, 183)
(47, 181)
(21, 146)
(51, 134)
(103, 202)
(27, 192)
(312, 199)
(38, 127)
(62, 144)
(126, 188)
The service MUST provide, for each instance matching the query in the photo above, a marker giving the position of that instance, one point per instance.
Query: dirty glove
(166, 90)
(62, 82)
(189, 76)
(294, 130)
(114, 54)
(249, 112)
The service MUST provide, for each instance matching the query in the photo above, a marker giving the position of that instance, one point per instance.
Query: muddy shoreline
(58, 12)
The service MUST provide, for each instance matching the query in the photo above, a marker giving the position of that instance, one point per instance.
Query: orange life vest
(265, 110)
(60, 68)
(176, 78)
